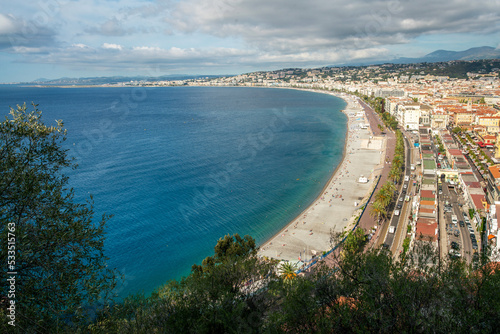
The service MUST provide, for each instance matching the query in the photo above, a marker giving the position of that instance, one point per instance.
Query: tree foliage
(229, 248)
(226, 294)
(56, 248)
(361, 291)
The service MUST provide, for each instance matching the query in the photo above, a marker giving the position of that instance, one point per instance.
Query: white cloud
(146, 48)
(80, 45)
(7, 24)
(291, 25)
(16, 32)
(112, 46)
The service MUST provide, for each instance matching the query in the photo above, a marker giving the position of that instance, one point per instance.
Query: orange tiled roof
(495, 171)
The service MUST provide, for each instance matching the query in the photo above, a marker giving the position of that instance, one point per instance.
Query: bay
(180, 167)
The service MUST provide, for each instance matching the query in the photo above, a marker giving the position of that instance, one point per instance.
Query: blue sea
(180, 167)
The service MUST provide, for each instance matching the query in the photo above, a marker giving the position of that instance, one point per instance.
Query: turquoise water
(180, 167)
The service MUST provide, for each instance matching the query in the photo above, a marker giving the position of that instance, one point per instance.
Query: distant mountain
(483, 52)
(114, 79)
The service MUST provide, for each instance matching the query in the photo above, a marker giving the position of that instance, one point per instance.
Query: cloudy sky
(80, 38)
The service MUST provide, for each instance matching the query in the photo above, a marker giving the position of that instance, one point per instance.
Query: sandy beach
(342, 198)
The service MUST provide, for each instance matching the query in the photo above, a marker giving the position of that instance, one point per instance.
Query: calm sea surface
(180, 167)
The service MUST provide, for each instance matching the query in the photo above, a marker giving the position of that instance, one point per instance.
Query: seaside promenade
(342, 199)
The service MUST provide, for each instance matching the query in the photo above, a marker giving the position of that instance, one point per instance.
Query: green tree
(288, 271)
(395, 174)
(378, 210)
(359, 291)
(228, 249)
(228, 293)
(383, 197)
(398, 161)
(56, 248)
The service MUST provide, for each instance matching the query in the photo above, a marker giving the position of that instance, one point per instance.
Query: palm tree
(390, 187)
(398, 161)
(394, 174)
(288, 271)
(378, 210)
(383, 196)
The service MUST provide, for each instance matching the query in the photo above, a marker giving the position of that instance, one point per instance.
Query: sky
(86, 38)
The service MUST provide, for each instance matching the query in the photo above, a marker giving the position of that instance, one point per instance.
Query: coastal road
(402, 225)
(398, 224)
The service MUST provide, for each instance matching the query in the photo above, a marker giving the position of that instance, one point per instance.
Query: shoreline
(313, 236)
(332, 176)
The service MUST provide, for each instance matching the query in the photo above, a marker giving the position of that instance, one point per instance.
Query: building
(493, 183)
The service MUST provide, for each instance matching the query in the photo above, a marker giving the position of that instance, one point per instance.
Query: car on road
(461, 223)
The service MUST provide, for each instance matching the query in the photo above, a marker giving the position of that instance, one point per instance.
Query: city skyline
(62, 38)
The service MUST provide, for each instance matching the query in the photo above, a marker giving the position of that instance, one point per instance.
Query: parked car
(455, 245)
